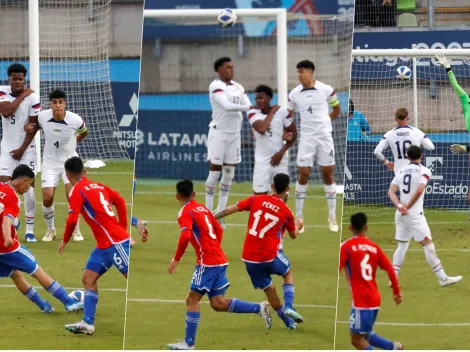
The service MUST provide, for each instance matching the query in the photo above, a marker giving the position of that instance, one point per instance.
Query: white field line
(108, 173)
(228, 224)
(412, 324)
(72, 288)
(64, 203)
(231, 193)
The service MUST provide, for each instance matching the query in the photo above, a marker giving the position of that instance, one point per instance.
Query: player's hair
(306, 64)
(401, 113)
(281, 182)
(265, 89)
(74, 165)
(351, 107)
(219, 62)
(413, 152)
(358, 222)
(22, 171)
(57, 94)
(17, 68)
(185, 188)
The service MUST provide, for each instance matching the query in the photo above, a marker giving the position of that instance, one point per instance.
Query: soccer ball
(227, 18)
(404, 73)
(77, 295)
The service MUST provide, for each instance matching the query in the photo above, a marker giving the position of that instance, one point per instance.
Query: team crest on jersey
(57, 130)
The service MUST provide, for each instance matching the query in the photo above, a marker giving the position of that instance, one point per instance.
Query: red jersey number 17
(267, 216)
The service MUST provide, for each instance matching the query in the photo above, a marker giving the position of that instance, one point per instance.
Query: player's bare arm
(17, 154)
(299, 224)
(231, 209)
(81, 134)
(182, 245)
(392, 194)
(6, 230)
(8, 108)
(378, 152)
(416, 195)
(384, 264)
(336, 111)
(290, 131)
(261, 126)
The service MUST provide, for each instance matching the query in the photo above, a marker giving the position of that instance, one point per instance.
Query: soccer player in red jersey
(262, 252)
(15, 258)
(94, 201)
(202, 230)
(360, 256)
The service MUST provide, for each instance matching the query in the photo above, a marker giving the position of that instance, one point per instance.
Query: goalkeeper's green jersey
(464, 98)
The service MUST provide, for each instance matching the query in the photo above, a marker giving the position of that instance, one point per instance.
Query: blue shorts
(260, 273)
(212, 280)
(101, 260)
(21, 260)
(361, 321)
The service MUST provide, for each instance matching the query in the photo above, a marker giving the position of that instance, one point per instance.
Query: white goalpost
(434, 108)
(265, 45)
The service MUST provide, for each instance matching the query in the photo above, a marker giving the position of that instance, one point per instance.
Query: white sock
(77, 227)
(211, 184)
(30, 209)
(300, 194)
(228, 172)
(49, 214)
(434, 262)
(330, 193)
(399, 256)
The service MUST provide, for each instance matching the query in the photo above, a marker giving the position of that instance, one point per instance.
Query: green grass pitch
(156, 308)
(28, 327)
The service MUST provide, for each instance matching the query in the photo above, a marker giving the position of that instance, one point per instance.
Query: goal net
(177, 67)
(433, 107)
(73, 56)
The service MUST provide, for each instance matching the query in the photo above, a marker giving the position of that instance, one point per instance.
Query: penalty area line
(156, 300)
(412, 324)
(72, 288)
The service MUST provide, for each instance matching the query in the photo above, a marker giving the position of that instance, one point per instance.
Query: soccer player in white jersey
(270, 124)
(410, 222)
(228, 99)
(19, 104)
(311, 99)
(399, 139)
(62, 130)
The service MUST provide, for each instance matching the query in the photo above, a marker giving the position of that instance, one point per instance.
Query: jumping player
(18, 105)
(202, 230)
(15, 258)
(311, 99)
(399, 139)
(228, 99)
(94, 201)
(270, 124)
(360, 256)
(410, 221)
(262, 251)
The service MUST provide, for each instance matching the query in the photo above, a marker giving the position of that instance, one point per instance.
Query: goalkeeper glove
(457, 148)
(442, 60)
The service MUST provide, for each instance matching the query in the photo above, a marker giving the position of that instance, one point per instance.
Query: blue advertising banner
(367, 180)
(385, 66)
(154, 28)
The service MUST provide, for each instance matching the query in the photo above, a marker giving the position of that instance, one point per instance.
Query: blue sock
(369, 347)
(34, 297)
(58, 292)
(89, 306)
(288, 295)
(192, 321)
(378, 341)
(285, 319)
(134, 221)
(237, 306)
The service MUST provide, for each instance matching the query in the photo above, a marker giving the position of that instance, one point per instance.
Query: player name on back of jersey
(93, 186)
(402, 134)
(364, 248)
(410, 169)
(271, 206)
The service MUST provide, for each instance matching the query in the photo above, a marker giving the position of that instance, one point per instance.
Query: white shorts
(263, 174)
(50, 177)
(8, 164)
(411, 226)
(323, 149)
(223, 148)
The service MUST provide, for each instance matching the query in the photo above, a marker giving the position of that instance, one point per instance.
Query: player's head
(358, 223)
(22, 178)
(74, 169)
(414, 153)
(264, 94)
(17, 77)
(305, 70)
(224, 67)
(280, 184)
(57, 101)
(185, 191)
(351, 108)
(401, 116)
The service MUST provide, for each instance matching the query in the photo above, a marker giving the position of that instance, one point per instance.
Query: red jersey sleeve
(186, 224)
(384, 263)
(245, 204)
(343, 256)
(9, 205)
(218, 230)
(76, 201)
(120, 205)
(290, 223)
